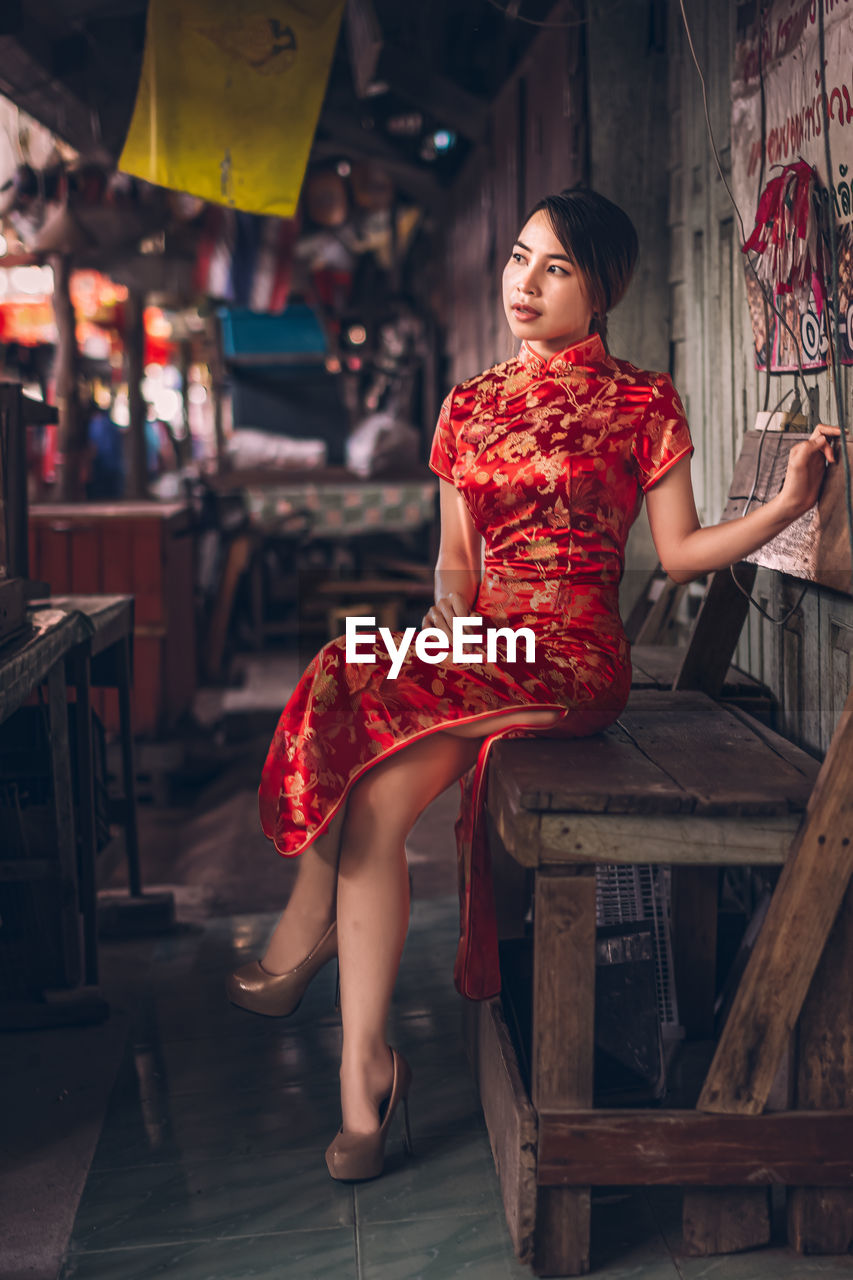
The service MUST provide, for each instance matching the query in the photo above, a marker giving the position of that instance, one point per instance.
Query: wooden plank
(510, 1119)
(657, 666)
(786, 954)
(712, 755)
(672, 1148)
(725, 1220)
(661, 616)
(715, 633)
(563, 990)
(820, 1219)
(669, 753)
(602, 773)
(26, 663)
(694, 947)
(78, 667)
(562, 1049)
(680, 839)
(786, 750)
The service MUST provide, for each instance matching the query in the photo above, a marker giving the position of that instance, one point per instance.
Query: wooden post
(716, 632)
(73, 425)
(694, 942)
(136, 484)
(66, 839)
(78, 665)
(820, 1219)
(563, 1050)
(714, 1219)
(213, 335)
(184, 446)
(802, 912)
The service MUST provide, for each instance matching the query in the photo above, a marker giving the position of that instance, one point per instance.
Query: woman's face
(544, 296)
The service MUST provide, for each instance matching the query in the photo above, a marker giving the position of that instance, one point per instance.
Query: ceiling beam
(79, 84)
(27, 79)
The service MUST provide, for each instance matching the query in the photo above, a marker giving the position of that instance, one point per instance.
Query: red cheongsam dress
(552, 458)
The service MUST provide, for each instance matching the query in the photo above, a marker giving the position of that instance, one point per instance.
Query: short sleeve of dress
(443, 451)
(663, 435)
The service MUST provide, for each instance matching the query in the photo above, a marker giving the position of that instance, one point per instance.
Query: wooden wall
(536, 144)
(808, 662)
(617, 102)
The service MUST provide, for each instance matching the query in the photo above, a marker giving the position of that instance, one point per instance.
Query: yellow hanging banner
(229, 97)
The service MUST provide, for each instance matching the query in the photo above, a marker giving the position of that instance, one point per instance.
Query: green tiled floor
(210, 1163)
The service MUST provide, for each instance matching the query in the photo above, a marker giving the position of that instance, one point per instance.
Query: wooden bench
(681, 780)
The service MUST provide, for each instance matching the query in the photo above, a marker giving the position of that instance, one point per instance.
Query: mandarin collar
(586, 351)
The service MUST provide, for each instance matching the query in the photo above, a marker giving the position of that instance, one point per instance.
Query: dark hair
(602, 242)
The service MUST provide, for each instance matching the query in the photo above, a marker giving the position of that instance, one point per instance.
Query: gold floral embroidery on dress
(550, 458)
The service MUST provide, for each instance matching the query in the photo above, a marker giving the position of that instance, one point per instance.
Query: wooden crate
(144, 549)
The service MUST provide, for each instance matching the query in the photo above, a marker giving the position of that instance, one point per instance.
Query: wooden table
(79, 641)
(683, 781)
(38, 658)
(143, 549)
(102, 659)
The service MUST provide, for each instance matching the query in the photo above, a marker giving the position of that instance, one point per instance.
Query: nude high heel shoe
(356, 1157)
(279, 994)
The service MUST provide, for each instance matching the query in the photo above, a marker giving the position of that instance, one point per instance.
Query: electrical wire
(768, 297)
(761, 169)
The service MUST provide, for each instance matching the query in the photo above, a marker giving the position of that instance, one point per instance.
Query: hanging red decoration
(787, 236)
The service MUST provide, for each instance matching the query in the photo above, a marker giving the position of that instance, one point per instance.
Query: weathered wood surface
(605, 773)
(715, 633)
(667, 753)
(724, 1220)
(27, 662)
(713, 756)
(737, 841)
(820, 1219)
(694, 947)
(110, 616)
(562, 1049)
(510, 1119)
(783, 962)
(655, 666)
(563, 991)
(661, 615)
(671, 1148)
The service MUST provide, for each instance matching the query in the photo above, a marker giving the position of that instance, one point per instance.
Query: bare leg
(311, 906)
(512, 719)
(373, 907)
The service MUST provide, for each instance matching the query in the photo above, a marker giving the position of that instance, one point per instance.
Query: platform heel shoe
(277, 995)
(357, 1157)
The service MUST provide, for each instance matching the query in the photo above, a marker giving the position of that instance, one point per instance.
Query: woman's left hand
(806, 469)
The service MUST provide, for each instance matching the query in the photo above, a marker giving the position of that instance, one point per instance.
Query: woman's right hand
(441, 614)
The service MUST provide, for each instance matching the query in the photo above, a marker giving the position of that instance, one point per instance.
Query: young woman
(544, 458)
